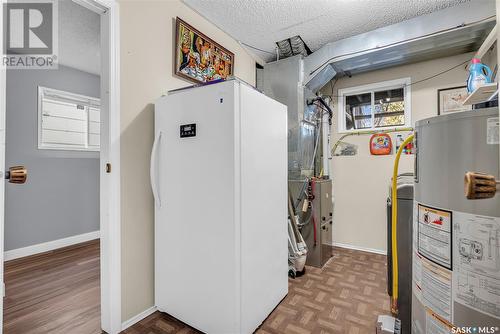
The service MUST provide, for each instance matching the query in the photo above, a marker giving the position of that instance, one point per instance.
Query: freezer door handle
(154, 170)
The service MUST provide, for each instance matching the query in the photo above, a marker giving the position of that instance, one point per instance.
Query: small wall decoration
(380, 144)
(408, 149)
(451, 99)
(198, 58)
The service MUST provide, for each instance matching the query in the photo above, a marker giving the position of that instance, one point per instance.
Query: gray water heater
(456, 241)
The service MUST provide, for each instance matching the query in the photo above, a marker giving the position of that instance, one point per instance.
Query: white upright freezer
(219, 178)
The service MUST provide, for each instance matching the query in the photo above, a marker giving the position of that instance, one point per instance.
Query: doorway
(82, 243)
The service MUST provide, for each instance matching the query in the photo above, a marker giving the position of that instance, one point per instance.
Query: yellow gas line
(394, 223)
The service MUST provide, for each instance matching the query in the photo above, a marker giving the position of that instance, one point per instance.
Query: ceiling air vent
(292, 46)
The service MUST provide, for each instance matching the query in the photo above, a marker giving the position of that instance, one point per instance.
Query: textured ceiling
(79, 37)
(261, 23)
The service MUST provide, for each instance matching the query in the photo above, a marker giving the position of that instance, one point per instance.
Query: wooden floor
(346, 296)
(55, 292)
(58, 292)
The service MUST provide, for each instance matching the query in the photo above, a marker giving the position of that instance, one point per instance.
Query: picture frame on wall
(198, 58)
(450, 100)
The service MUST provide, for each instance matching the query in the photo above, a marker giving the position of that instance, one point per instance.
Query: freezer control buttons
(188, 130)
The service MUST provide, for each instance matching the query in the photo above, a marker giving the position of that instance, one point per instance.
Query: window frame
(86, 100)
(404, 83)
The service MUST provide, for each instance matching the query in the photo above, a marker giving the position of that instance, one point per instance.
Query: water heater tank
(456, 241)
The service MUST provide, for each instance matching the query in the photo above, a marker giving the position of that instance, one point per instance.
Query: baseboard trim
(48, 246)
(144, 314)
(364, 249)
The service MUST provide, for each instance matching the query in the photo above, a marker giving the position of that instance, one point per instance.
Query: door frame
(110, 206)
(3, 77)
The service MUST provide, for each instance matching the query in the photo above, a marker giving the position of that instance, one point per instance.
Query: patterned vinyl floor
(346, 296)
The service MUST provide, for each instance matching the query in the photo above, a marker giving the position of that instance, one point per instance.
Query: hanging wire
(256, 48)
(410, 84)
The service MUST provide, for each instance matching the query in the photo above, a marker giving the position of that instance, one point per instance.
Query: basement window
(68, 121)
(375, 106)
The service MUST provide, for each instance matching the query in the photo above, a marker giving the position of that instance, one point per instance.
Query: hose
(291, 213)
(394, 236)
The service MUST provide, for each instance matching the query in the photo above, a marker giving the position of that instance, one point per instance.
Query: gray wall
(61, 197)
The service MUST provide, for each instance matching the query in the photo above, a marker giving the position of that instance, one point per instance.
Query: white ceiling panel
(79, 37)
(261, 23)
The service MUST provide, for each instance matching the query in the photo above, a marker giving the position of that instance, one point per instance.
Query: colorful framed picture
(450, 100)
(198, 58)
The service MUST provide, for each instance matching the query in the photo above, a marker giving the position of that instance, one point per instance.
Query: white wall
(62, 189)
(361, 182)
(147, 29)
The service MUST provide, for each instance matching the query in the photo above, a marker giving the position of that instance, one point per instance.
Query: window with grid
(68, 121)
(375, 106)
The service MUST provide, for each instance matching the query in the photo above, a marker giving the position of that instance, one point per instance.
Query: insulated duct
(292, 46)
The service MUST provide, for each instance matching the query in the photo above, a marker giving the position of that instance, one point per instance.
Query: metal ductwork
(447, 32)
(294, 80)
